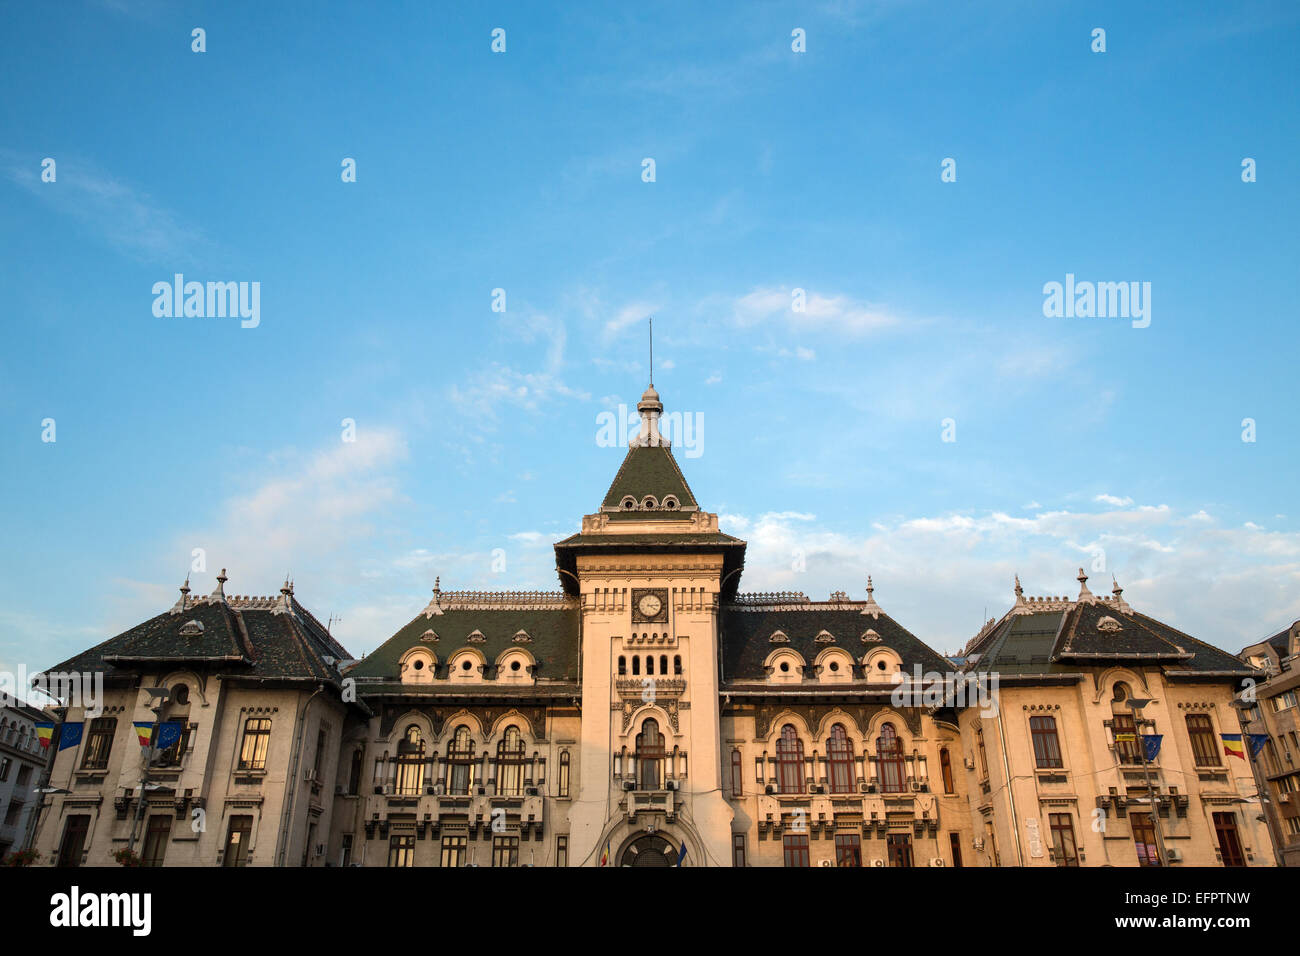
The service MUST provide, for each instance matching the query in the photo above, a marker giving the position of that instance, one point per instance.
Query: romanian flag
(604, 857)
(143, 730)
(1232, 745)
(45, 733)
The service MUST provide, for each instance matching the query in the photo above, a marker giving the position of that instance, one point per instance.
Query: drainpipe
(282, 843)
(1011, 792)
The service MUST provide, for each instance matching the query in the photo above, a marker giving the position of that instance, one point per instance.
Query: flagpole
(165, 695)
(1261, 783)
(1135, 705)
(47, 772)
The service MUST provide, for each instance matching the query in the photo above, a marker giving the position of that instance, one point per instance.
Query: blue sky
(1079, 441)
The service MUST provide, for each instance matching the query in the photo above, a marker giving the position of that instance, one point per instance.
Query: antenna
(652, 349)
(333, 620)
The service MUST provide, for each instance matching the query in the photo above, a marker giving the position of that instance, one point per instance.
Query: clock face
(650, 606)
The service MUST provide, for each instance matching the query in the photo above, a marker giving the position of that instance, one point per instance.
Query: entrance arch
(648, 849)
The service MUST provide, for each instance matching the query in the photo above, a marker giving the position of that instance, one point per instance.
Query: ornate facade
(648, 712)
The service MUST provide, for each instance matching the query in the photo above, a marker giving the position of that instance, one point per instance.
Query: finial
(872, 607)
(1119, 595)
(1020, 592)
(870, 587)
(219, 592)
(437, 584)
(1084, 593)
(286, 588)
(651, 320)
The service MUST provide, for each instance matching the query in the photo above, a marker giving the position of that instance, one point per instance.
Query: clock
(649, 605)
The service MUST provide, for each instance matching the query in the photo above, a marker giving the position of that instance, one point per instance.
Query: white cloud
(1113, 500)
(838, 314)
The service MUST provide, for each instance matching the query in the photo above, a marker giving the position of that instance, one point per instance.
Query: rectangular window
(24, 775)
(5, 764)
(13, 812)
(345, 853)
(1126, 742)
(1205, 747)
(257, 739)
(1225, 827)
(74, 840)
(453, 851)
(737, 774)
(505, 851)
(155, 840)
(401, 850)
(99, 743)
(318, 764)
(738, 849)
(848, 849)
(171, 757)
(954, 843)
(945, 765)
(238, 837)
(309, 845)
(1144, 838)
(1064, 851)
(900, 849)
(984, 760)
(1047, 748)
(562, 851)
(796, 849)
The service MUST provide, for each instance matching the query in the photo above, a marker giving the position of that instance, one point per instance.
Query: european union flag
(1151, 743)
(169, 731)
(70, 735)
(1256, 743)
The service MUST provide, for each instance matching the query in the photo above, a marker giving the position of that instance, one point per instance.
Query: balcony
(651, 801)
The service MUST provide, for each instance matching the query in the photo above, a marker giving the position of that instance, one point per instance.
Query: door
(1144, 836)
(1225, 825)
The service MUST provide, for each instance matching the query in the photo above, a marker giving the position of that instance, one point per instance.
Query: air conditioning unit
(938, 861)
(532, 792)
(817, 788)
(338, 790)
(916, 786)
(672, 785)
(970, 764)
(629, 784)
(310, 775)
(877, 862)
(769, 789)
(1175, 856)
(826, 863)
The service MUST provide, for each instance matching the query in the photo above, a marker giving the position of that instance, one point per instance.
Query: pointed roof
(649, 471)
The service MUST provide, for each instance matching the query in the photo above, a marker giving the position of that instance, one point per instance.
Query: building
(649, 713)
(255, 685)
(1271, 711)
(21, 760)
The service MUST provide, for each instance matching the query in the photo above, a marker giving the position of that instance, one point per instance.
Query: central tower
(650, 568)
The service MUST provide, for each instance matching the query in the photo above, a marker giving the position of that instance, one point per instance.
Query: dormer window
(192, 629)
(670, 504)
(649, 503)
(628, 504)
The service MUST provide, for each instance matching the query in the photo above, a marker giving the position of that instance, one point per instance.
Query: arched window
(945, 766)
(677, 665)
(650, 664)
(840, 751)
(636, 665)
(460, 762)
(562, 789)
(622, 666)
(650, 756)
(1123, 726)
(789, 761)
(410, 762)
(663, 663)
(889, 760)
(510, 764)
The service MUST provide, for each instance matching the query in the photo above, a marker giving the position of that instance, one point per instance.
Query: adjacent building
(648, 712)
(21, 760)
(1270, 710)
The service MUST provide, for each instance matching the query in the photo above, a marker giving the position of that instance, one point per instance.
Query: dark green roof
(746, 638)
(552, 632)
(653, 471)
(240, 637)
(1064, 640)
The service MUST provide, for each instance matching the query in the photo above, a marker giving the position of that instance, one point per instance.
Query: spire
(1084, 593)
(1020, 607)
(284, 604)
(183, 602)
(435, 604)
(650, 408)
(872, 607)
(1119, 595)
(651, 320)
